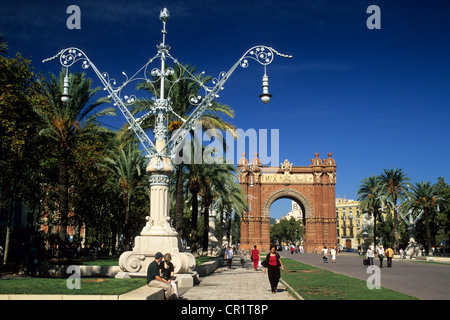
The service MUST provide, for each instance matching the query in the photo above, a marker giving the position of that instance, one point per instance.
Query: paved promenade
(237, 283)
(423, 280)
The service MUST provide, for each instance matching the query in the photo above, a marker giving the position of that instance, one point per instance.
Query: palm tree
(231, 199)
(424, 196)
(127, 168)
(3, 44)
(213, 181)
(394, 188)
(369, 193)
(64, 123)
(180, 88)
(209, 182)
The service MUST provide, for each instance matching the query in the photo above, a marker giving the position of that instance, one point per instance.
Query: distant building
(349, 220)
(296, 213)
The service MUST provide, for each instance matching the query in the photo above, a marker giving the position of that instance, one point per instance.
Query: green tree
(19, 145)
(388, 232)
(286, 231)
(94, 206)
(443, 211)
(231, 198)
(213, 177)
(394, 184)
(424, 196)
(127, 176)
(369, 193)
(64, 123)
(3, 44)
(212, 183)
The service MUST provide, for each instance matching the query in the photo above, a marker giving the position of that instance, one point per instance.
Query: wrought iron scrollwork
(162, 106)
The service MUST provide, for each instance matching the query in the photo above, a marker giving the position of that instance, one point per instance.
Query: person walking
(273, 264)
(229, 256)
(243, 257)
(255, 257)
(380, 254)
(154, 277)
(389, 255)
(333, 254)
(325, 254)
(370, 255)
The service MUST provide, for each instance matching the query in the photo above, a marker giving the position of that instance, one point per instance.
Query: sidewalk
(237, 283)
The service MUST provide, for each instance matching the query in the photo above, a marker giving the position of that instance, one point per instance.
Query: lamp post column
(160, 167)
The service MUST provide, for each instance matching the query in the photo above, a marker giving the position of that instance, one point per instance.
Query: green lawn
(104, 286)
(319, 284)
(88, 286)
(202, 259)
(102, 262)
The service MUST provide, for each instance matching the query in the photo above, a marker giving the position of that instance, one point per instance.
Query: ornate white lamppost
(158, 234)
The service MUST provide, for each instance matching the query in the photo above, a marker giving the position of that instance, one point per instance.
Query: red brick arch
(312, 187)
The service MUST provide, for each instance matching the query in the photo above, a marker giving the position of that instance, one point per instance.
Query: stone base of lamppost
(135, 263)
(157, 235)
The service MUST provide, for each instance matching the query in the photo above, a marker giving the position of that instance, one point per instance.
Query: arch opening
(290, 194)
(286, 208)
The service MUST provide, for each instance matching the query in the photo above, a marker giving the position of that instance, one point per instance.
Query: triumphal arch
(312, 187)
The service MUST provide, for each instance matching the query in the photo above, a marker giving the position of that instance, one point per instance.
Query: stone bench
(207, 268)
(144, 293)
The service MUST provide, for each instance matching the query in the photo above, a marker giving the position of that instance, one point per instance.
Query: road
(427, 281)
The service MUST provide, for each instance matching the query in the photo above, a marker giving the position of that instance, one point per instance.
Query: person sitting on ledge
(154, 279)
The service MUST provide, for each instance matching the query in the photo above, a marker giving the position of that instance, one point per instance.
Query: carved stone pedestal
(157, 235)
(162, 239)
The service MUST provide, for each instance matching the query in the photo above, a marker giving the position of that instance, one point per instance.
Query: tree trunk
(427, 226)
(8, 230)
(375, 229)
(194, 218)
(126, 228)
(396, 234)
(228, 227)
(206, 227)
(179, 201)
(221, 225)
(229, 231)
(63, 200)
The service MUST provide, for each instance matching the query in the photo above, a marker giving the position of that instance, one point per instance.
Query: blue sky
(374, 98)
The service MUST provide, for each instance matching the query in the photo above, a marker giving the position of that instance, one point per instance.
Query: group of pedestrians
(381, 254)
(332, 253)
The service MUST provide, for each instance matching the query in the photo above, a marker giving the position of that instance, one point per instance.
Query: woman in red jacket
(273, 264)
(255, 257)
